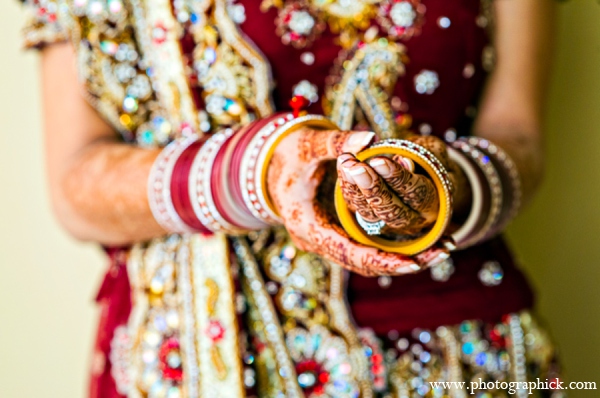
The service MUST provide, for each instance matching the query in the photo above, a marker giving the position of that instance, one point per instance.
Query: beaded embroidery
(300, 23)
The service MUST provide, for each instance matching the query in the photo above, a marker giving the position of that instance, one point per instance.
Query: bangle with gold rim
(439, 176)
(255, 163)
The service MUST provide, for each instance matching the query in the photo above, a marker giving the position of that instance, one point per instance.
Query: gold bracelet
(439, 176)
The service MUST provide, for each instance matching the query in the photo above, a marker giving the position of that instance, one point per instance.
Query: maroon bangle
(216, 185)
(236, 161)
(180, 188)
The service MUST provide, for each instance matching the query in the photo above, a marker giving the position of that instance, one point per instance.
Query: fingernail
(439, 259)
(348, 176)
(406, 163)
(344, 157)
(361, 177)
(450, 245)
(415, 267)
(358, 141)
(443, 256)
(381, 166)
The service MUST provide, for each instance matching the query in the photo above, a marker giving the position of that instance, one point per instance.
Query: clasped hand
(382, 189)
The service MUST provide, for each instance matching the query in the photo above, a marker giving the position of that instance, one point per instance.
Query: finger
(405, 162)
(383, 201)
(329, 144)
(415, 190)
(352, 195)
(335, 245)
(433, 256)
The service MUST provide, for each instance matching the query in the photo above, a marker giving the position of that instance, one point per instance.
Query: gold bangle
(439, 176)
(266, 152)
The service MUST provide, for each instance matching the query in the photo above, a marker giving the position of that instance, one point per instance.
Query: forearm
(101, 194)
(512, 109)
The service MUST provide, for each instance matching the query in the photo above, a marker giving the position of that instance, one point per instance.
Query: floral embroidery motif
(401, 19)
(323, 365)
(169, 356)
(307, 90)
(298, 25)
(426, 82)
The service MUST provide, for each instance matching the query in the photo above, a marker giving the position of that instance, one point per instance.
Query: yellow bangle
(259, 157)
(439, 176)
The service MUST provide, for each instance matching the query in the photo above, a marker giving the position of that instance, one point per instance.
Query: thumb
(329, 144)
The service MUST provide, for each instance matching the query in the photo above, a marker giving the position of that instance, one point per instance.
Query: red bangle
(180, 188)
(234, 168)
(215, 183)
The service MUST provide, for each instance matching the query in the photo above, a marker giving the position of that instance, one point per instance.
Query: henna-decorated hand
(389, 189)
(296, 171)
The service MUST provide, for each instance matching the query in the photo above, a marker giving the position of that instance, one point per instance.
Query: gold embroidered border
(219, 369)
(261, 79)
(158, 35)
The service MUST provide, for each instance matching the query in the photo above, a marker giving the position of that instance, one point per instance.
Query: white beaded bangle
(251, 178)
(241, 217)
(201, 195)
(475, 213)
(496, 198)
(159, 186)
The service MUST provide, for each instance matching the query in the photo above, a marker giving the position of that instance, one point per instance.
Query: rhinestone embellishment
(426, 82)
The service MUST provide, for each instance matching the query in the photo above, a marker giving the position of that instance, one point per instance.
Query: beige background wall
(47, 281)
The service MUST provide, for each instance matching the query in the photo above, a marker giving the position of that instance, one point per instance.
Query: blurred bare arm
(97, 183)
(511, 111)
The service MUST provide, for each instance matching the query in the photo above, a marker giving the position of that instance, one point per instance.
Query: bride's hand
(296, 172)
(389, 190)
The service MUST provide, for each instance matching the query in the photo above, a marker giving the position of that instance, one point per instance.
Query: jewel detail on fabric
(426, 82)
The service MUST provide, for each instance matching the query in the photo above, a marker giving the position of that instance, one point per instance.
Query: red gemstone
(215, 331)
(298, 102)
(171, 345)
(323, 377)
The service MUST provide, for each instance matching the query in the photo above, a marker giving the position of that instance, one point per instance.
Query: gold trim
(219, 358)
(261, 80)
(170, 84)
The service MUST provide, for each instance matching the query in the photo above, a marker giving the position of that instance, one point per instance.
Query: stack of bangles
(219, 184)
(495, 186)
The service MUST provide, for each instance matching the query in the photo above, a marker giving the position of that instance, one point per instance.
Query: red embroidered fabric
(450, 44)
